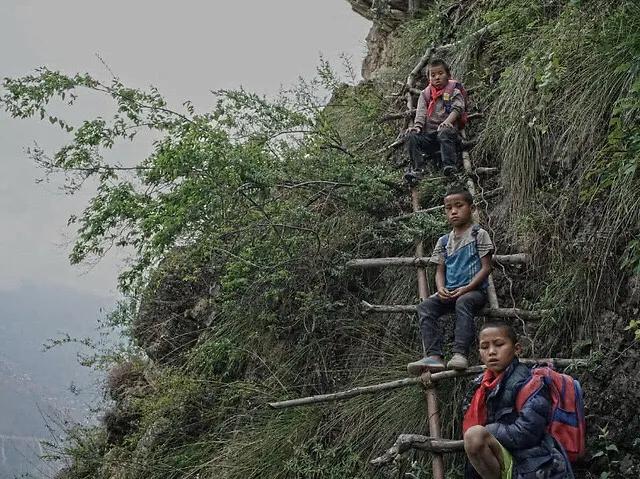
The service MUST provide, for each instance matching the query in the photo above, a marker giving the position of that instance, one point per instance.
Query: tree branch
(419, 442)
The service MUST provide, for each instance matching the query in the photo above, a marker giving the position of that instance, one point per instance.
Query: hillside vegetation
(242, 218)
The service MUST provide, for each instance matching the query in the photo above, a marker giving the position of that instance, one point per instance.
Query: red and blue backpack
(566, 422)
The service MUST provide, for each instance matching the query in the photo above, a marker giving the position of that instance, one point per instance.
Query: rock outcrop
(386, 16)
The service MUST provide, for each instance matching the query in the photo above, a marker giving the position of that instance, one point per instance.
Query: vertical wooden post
(423, 286)
(437, 464)
(414, 6)
(466, 161)
(431, 397)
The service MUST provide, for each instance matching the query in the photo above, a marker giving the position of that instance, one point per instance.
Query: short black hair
(511, 332)
(462, 191)
(439, 62)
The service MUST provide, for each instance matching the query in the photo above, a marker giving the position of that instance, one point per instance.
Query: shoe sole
(457, 367)
(418, 370)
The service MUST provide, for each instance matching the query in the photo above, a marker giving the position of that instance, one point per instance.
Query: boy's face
(458, 210)
(497, 350)
(438, 76)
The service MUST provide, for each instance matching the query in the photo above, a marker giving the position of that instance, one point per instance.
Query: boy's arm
(443, 293)
(457, 107)
(421, 114)
(449, 121)
(529, 427)
(478, 279)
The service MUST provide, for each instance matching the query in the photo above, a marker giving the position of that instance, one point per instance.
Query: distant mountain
(36, 384)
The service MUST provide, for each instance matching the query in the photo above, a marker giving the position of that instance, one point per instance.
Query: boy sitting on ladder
(506, 426)
(440, 116)
(464, 263)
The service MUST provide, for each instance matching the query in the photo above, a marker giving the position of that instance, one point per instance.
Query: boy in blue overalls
(464, 263)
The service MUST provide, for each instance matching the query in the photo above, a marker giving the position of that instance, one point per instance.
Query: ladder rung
(484, 196)
(491, 312)
(485, 170)
(504, 259)
(405, 382)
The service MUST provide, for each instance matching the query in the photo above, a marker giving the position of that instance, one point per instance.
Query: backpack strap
(448, 94)
(475, 229)
(529, 389)
(444, 242)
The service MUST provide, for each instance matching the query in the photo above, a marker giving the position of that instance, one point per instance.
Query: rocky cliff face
(386, 16)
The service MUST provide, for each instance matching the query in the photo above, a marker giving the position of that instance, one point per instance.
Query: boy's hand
(444, 293)
(456, 293)
(445, 124)
(413, 129)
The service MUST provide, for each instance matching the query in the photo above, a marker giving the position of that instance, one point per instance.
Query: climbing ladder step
(500, 259)
(426, 380)
(483, 196)
(485, 170)
(490, 312)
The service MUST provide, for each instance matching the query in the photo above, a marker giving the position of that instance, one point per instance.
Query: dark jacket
(535, 453)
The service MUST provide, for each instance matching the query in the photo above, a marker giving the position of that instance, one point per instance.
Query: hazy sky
(184, 48)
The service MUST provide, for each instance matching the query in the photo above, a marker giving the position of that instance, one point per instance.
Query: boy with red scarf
(441, 108)
(500, 442)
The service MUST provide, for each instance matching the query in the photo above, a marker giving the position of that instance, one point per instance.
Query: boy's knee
(476, 439)
(465, 301)
(447, 134)
(427, 305)
(412, 137)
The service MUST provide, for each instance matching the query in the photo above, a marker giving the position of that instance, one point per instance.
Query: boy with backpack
(520, 424)
(440, 116)
(463, 259)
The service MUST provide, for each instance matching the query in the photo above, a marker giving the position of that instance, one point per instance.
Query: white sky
(184, 48)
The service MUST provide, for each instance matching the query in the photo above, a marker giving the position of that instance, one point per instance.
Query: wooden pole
(466, 162)
(506, 259)
(420, 442)
(434, 429)
(401, 383)
(488, 311)
(433, 414)
(414, 6)
(423, 286)
(485, 196)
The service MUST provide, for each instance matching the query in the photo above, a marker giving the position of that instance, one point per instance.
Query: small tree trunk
(414, 6)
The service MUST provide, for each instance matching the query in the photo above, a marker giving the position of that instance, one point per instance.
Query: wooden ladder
(433, 443)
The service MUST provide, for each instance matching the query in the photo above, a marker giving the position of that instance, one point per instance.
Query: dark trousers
(466, 307)
(446, 140)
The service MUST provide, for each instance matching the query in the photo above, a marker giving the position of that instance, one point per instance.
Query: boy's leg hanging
(450, 144)
(467, 306)
(417, 144)
(429, 313)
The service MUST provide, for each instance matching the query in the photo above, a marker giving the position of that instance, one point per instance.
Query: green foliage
(573, 72)
(87, 446)
(316, 461)
(607, 456)
(241, 219)
(634, 326)
(210, 175)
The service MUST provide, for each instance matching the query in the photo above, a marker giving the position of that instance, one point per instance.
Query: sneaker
(412, 176)
(458, 361)
(449, 170)
(429, 363)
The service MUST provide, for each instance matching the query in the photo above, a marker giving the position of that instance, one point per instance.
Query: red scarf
(477, 412)
(435, 94)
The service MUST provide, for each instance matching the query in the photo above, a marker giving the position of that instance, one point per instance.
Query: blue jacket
(523, 434)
